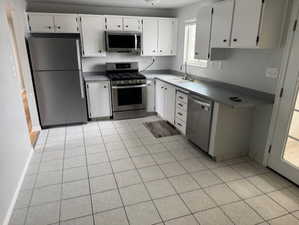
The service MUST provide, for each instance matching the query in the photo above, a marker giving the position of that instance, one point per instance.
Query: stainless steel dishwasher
(199, 120)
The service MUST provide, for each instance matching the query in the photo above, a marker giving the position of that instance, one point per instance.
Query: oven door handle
(130, 86)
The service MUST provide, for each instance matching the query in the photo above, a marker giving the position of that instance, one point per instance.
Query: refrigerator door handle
(81, 85)
(80, 68)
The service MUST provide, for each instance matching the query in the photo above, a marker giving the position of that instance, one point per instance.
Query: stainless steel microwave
(123, 41)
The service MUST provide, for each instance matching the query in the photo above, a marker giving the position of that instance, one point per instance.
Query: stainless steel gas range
(128, 90)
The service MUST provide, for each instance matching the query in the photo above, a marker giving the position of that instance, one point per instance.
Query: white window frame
(193, 62)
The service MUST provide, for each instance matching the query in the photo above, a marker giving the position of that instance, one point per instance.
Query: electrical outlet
(272, 72)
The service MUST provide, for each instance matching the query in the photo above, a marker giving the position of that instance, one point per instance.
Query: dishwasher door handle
(202, 103)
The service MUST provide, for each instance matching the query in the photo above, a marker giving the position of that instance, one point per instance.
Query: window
(189, 46)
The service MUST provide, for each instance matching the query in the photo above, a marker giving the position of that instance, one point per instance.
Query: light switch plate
(272, 72)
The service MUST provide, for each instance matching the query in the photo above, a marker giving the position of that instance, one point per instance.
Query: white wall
(242, 67)
(98, 64)
(15, 146)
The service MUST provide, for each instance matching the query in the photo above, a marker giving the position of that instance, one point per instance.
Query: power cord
(152, 63)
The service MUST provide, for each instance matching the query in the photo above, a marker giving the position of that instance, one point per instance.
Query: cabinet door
(203, 33)
(99, 104)
(93, 35)
(160, 98)
(165, 44)
(41, 23)
(132, 24)
(150, 93)
(150, 37)
(222, 24)
(114, 23)
(169, 103)
(174, 36)
(66, 24)
(246, 23)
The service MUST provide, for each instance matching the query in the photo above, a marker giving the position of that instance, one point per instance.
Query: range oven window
(121, 41)
(129, 96)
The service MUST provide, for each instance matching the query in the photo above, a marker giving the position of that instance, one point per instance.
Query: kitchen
(178, 103)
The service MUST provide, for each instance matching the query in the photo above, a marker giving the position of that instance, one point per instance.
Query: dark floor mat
(161, 128)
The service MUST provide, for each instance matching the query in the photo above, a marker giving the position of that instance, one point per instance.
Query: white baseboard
(15, 196)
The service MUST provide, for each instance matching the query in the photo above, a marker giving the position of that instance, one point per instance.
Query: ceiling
(122, 3)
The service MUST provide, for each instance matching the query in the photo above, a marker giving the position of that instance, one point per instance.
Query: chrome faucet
(186, 76)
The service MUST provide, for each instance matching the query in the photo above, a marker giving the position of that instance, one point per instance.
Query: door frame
(281, 81)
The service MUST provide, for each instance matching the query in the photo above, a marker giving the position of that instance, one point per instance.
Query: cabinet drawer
(180, 125)
(181, 97)
(181, 105)
(182, 115)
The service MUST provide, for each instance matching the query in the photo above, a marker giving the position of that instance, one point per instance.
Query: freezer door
(60, 98)
(54, 53)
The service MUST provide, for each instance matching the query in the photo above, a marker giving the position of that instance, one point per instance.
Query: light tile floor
(117, 173)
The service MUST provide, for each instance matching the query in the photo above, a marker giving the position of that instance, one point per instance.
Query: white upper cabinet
(246, 23)
(65, 23)
(159, 36)
(132, 24)
(93, 35)
(50, 22)
(150, 37)
(258, 23)
(41, 23)
(203, 33)
(114, 23)
(222, 24)
(165, 37)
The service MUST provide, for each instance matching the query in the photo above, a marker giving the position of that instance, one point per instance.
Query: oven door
(128, 98)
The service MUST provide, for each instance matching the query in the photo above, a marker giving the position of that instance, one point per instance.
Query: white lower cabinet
(169, 103)
(99, 99)
(165, 101)
(150, 93)
(160, 98)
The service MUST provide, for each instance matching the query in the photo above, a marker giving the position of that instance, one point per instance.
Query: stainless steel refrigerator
(57, 75)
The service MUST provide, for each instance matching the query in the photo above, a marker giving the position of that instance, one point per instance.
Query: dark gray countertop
(217, 91)
(94, 76)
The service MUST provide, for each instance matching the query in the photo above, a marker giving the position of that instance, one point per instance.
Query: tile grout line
(35, 180)
(142, 181)
(203, 190)
(88, 178)
(117, 187)
(61, 188)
